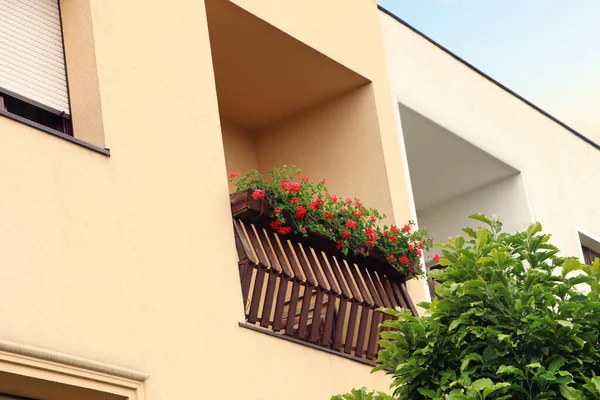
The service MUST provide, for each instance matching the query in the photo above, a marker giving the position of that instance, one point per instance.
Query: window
(589, 255)
(33, 79)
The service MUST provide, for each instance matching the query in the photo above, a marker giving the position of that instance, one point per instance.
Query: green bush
(515, 321)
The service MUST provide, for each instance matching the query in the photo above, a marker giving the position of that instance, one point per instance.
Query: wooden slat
(409, 302)
(262, 258)
(380, 291)
(370, 287)
(280, 256)
(246, 280)
(289, 252)
(239, 245)
(265, 319)
(280, 304)
(338, 274)
(361, 286)
(333, 284)
(339, 325)
(353, 289)
(239, 233)
(256, 294)
(316, 319)
(388, 290)
(315, 268)
(289, 326)
(373, 335)
(352, 322)
(362, 332)
(398, 294)
(266, 243)
(310, 278)
(328, 329)
(302, 325)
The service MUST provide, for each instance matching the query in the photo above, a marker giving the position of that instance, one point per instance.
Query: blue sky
(548, 51)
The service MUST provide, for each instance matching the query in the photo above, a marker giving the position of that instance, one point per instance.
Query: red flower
(323, 181)
(275, 224)
(394, 229)
(436, 258)
(233, 175)
(386, 234)
(357, 214)
(304, 178)
(350, 224)
(404, 260)
(348, 201)
(388, 257)
(432, 239)
(316, 204)
(346, 235)
(419, 253)
(373, 218)
(371, 242)
(285, 184)
(303, 229)
(277, 211)
(329, 215)
(258, 194)
(362, 251)
(406, 228)
(294, 186)
(432, 283)
(334, 198)
(295, 200)
(358, 204)
(411, 271)
(411, 247)
(339, 245)
(370, 232)
(300, 212)
(420, 245)
(284, 230)
(394, 239)
(344, 209)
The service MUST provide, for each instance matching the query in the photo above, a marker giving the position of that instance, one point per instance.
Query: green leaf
(533, 229)
(565, 323)
(570, 393)
(509, 369)
(497, 386)
(482, 218)
(556, 364)
(430, 394)
(482, 383)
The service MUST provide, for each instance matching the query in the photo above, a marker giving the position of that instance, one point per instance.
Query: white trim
(409, 191)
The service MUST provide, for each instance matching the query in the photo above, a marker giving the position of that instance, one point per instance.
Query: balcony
(304, 290)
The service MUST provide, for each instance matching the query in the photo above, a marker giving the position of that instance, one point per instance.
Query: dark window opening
(28, 111)
(589, 255)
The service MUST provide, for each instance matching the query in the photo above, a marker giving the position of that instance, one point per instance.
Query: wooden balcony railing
(304, 289)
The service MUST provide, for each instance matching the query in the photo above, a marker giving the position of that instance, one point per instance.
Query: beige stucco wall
(558, 168)
(130, 260)
(338, 140)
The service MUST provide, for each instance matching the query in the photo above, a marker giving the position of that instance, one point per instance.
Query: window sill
(307, 344)
(56, 133)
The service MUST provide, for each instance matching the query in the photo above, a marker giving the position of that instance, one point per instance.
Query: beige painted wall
(557, 167)
(240, 149)
(129, 260)
(338, 140)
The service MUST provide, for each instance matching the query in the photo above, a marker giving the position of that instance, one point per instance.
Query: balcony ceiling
(442, 165)
(262, 74)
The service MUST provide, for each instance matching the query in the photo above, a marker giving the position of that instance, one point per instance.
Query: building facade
(120, 121)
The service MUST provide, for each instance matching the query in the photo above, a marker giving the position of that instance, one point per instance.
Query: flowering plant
(304, 206)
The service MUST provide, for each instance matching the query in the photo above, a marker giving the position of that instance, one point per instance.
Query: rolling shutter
(32, 64)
